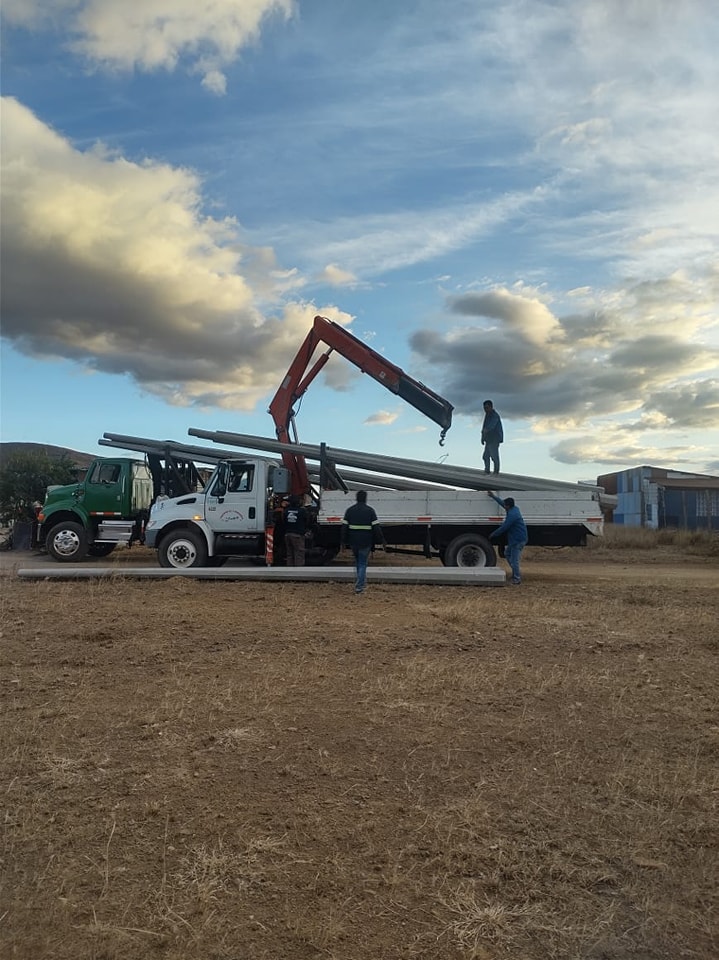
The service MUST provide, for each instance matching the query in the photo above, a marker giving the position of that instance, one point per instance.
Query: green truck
(110, 506)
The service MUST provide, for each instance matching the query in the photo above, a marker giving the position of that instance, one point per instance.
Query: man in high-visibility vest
(361, 532)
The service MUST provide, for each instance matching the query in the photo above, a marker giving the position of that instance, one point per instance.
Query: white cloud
(643, 357)
(335, 276)
(594, 124)
(381, 418)
(599, 116)
(634, 85)
(601, 450)
(528, 317)
(339, 374)
(113, 264)
(372, 244)
(215, 81)
(694, 405)
(634, 365)
(150, 35)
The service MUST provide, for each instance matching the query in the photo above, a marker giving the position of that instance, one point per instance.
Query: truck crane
(452, 524)
(234, 513)
(294, 385)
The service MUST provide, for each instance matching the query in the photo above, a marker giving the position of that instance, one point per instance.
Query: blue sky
(514, 200)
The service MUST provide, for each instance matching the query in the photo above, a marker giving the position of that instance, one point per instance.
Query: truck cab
(234, 516)
(109, 506)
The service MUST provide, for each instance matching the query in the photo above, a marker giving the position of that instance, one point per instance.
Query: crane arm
(337, 338)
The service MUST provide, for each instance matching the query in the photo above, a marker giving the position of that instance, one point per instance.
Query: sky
(515, 201)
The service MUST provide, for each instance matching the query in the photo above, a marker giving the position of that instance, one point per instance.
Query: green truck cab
(110, 506)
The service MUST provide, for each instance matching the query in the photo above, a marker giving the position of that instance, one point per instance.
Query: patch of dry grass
(222, 770)
(698, 543)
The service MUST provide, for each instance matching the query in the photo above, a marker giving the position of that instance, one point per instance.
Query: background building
(655, 497)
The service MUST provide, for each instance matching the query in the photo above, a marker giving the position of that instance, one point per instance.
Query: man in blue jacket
(516, 530)
(492, 436)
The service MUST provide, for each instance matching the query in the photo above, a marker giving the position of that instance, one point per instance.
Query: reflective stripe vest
(360, 526)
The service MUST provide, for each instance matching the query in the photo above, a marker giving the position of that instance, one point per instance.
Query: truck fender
(60, 516)
(206, 532)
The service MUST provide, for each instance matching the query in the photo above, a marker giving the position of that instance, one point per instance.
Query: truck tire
(101, 549)
(183, 549)
(66, 542)
(470, 550)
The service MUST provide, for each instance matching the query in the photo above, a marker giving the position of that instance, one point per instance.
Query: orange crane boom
(299, 377)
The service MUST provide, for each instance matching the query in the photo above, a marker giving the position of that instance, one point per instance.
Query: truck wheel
(183, 549)
(101, 549)
(470, 550)
(67, 542)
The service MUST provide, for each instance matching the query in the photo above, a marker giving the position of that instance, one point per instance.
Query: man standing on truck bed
(361, 531)
(492, 436)
(516, 530)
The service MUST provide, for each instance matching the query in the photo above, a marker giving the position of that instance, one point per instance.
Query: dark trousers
(295, 547)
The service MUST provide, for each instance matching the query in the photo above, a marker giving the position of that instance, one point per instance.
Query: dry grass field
(233, 771)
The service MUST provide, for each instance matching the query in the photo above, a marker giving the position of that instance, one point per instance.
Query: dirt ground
(243, 771)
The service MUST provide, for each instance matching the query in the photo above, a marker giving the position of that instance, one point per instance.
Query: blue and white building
(655, 497)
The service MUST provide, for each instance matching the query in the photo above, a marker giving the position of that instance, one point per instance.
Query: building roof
(664, 477)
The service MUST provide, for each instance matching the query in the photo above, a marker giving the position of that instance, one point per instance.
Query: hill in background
(81, 460)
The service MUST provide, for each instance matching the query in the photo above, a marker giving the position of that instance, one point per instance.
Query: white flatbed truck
(238, 514)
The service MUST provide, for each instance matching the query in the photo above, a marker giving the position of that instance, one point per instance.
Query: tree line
(24, 479)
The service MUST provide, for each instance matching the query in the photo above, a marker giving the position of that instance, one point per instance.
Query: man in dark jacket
(492, 436)
(516, 530)
(361, 532)
(295, 517)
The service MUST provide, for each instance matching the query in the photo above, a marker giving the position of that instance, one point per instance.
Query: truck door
(105, 488)
(235, 500)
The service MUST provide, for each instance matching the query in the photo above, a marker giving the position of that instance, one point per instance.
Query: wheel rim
(66, 543)
(471, 556)
(182, 553)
